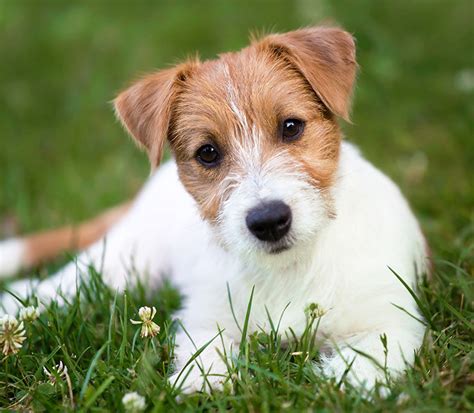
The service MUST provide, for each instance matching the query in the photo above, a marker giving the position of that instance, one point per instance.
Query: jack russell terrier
(263, 194)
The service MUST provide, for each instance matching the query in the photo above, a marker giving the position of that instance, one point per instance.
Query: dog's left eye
(208, 156)
(291, 129)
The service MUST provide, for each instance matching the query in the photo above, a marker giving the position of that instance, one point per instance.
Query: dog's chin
(279, 256)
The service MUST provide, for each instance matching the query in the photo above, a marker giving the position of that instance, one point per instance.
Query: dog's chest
(219, 292)
(279, 300)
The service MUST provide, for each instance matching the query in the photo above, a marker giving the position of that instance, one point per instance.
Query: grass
(63, 158)
(106, 358)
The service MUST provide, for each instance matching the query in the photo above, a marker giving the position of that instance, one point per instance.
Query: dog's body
(342, 225)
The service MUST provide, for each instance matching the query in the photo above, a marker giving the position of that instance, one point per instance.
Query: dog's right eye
(208, 156)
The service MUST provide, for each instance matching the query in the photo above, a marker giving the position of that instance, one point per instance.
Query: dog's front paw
(194, 380)
(202, 370)
(361, 372)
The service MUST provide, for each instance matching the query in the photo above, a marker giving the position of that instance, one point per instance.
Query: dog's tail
(28, 251)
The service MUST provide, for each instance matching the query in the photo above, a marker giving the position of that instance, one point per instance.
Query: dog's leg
(365, 360)
(209, 370)
(65, 282)
(105, 255)
(62, 284)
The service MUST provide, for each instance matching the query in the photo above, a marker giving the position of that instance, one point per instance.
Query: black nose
(270, 221)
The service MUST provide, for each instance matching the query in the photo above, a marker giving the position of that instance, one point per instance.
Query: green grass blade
(420, 305)
(243, 339)
(98, 392)
(90, 370)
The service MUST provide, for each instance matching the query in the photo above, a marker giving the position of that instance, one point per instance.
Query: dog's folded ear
(325, 56)
(146, 107)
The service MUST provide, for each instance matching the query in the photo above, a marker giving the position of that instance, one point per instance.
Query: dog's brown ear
(325, 56)
(146, 107)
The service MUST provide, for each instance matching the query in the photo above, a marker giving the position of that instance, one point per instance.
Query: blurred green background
(63, 156)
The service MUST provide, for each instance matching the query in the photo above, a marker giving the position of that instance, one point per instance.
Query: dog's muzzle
(269, 221)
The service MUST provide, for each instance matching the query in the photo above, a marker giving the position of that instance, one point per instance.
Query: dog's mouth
(277, 249)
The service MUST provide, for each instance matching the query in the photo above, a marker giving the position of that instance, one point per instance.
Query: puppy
(261, 194)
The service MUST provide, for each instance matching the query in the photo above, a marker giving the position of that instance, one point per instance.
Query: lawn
(63, 157)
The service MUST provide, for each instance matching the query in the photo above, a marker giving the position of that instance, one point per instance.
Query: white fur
(341, 263)
(11, 256)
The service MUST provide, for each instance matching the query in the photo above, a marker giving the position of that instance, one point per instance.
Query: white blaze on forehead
(247, 137)
(233, 100)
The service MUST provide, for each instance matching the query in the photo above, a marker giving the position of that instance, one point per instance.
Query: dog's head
(254, 134)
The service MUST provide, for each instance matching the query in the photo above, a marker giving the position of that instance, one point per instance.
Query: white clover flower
(29, 313)
(133, 402)
(149, 328)
(12, 335)
(58, 371)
